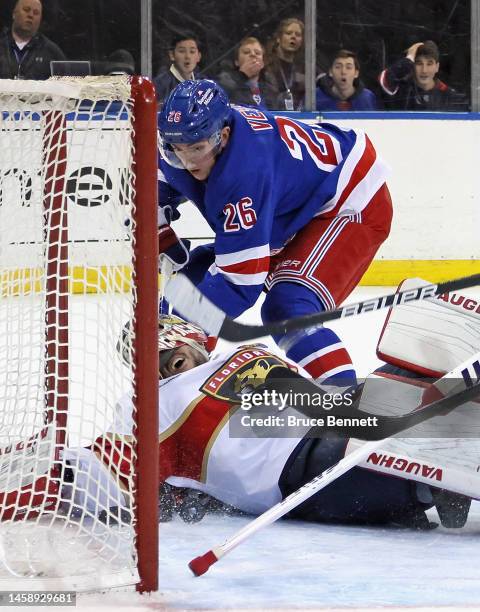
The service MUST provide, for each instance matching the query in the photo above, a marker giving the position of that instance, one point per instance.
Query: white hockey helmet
(173, 332)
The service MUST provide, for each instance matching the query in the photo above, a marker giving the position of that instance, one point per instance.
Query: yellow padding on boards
(104, 279)
(392, 272)
(100, 279)
(20, 282)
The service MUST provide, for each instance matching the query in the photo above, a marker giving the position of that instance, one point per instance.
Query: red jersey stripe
(202, 425)
(327, 362)
(251, 266)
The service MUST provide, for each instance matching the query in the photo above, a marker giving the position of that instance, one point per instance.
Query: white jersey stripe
(385, 87)
(368, 186)
(321, 353)
(349, 166)
(333, 371)
(228, 259)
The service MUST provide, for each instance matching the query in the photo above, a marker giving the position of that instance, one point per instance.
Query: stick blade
(193, 305)
(201, 565)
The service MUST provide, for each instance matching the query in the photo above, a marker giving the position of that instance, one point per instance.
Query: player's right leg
(316, 271)
(318, 350)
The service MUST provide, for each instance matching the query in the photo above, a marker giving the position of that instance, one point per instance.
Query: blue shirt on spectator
(362, 100)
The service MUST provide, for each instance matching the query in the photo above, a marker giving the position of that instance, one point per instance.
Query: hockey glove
(174, 249)
(166, 214)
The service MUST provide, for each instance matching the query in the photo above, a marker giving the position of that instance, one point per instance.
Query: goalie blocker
(434, 472)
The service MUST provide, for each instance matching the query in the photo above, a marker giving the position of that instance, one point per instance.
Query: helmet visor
(190, 156)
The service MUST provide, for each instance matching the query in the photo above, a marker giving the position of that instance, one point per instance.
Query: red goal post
(78, 259)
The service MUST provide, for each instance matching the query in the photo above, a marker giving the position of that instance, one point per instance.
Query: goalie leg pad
(358, 497)
(450, 465)
(431, 336)
(90, 485)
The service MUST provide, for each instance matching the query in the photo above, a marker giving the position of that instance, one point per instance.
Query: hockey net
(77, 260)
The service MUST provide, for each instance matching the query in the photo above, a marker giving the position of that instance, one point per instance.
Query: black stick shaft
(238, 332)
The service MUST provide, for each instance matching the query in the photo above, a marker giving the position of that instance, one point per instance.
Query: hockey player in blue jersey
(298, 211)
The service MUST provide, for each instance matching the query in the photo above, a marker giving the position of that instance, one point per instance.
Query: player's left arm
(170, 245)
(242, 248)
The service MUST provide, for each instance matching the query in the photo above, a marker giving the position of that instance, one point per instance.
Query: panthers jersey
(272, 178)
(203, 443)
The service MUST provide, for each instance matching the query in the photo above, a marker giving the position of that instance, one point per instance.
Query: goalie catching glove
(173, 248)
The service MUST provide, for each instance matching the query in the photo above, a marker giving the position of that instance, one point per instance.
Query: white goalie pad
(443, 452)
(430, 336)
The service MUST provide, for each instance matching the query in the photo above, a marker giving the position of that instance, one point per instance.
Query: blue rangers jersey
(273, 177)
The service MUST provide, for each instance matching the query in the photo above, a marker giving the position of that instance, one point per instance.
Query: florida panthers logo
(253, 377)
(247, 369)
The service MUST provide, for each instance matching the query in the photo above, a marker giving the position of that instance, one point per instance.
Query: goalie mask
(173, 333)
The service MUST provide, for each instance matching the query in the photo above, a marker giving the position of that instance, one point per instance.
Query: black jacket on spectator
(399, 78)
(166, 81)
(238, 88)
(283, 77)
(33, 60)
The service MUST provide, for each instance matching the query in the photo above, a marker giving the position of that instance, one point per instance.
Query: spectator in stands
(25, 53)
(245, 83)
(120, 61)
(341, 89)
(185, 56)
(284, 70)
(411, 83)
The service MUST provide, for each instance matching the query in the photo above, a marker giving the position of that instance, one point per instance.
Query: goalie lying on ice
(206, 450)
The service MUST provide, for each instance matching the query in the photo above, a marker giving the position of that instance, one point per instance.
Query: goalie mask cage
(78, 253)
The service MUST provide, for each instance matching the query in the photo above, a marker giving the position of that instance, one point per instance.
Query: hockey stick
(166, 271)
(443, 406)
(193, 305)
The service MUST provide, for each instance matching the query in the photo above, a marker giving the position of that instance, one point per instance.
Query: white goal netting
(68, 513)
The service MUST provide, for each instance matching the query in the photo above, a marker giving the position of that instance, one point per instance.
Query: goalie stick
(194, 306)
(441, 407)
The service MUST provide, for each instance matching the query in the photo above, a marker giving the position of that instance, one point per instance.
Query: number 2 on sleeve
(323, 148)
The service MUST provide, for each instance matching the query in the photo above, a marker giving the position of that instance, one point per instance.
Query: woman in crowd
(284, 70)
